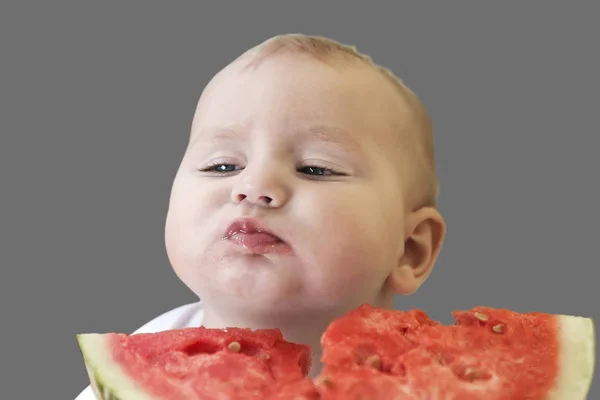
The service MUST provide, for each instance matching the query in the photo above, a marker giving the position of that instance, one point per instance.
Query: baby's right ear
(424, 236)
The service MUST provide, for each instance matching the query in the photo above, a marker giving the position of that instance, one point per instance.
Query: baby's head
(333, 156)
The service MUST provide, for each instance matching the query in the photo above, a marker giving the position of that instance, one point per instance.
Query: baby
(308, 188)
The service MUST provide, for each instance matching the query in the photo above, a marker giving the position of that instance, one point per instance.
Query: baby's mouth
(254, 238)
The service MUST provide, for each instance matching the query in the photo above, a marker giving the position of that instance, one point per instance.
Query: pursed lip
(248, 226)
(251, 237)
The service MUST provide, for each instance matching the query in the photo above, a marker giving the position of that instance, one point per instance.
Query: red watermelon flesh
(197, 363)
(370, 353)
(492, 354)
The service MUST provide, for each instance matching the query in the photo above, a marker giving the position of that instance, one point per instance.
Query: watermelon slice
(370, 353)
(196, 363)
(492, 354)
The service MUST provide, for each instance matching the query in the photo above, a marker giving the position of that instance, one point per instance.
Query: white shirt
(186, 316)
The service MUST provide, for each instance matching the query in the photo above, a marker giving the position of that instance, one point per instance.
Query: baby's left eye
(312, 170)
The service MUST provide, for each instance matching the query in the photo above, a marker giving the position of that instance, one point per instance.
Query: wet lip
(254, 238)
(248, 227)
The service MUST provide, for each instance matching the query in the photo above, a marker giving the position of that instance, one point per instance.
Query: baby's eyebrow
(217, 133)
(222, 132)
(328, 134)
(309, 132)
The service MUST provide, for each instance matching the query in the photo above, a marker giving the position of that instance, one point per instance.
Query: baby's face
(307, 152)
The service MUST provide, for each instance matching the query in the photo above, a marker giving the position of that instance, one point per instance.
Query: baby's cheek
(175, 244)
(180, 235)
(355, 227)
(347, 260)
(355, 247)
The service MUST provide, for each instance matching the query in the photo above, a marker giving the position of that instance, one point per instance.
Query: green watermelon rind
(107, 378)
(577, 350)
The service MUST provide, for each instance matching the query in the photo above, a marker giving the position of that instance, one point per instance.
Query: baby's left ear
(424, 236)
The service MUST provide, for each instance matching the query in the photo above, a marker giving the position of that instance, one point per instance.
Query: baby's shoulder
(185, 316)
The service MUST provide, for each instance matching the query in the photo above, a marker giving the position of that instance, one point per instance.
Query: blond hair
(326, 49)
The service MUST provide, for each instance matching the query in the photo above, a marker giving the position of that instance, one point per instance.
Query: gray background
(97, 101)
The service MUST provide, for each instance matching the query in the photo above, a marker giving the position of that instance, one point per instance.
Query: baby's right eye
(221, 168)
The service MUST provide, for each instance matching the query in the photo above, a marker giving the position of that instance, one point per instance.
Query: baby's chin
(263, 289)
(277, 302)
(262, 295)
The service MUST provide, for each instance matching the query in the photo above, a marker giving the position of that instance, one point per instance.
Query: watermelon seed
(373, 361)
(265, 356)
(481, 317)
(324, 381)
(472, 374)
(499, 328)
(443, 359)
(234, 346)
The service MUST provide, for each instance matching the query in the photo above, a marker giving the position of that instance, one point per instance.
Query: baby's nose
(266, 190)
(261, 199)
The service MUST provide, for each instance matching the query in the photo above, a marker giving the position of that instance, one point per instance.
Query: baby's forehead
(298, 86)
